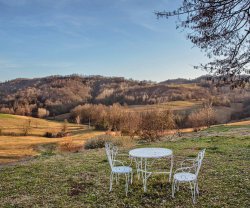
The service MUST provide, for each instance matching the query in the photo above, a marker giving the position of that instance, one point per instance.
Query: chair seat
(121, 169)
(185, 177)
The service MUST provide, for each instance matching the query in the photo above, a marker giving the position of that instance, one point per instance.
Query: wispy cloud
(7, 64)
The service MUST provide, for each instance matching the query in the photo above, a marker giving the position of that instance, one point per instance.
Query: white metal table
(141, 157)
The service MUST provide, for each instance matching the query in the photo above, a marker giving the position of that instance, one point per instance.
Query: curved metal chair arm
(188, 161)
(123, 154)
(127, 157)
(118, 161)
(182, 169)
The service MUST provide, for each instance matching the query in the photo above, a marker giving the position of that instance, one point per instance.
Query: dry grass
(188, 86)
(240, 123)
(12, 124)
(69, 146)
(14, 148)
(172, 105)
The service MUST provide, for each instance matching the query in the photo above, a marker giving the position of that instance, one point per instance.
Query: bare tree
(202, 117)
(26, 127)
(130, 123)
(65, 126)
(222, 29)
(78, 119)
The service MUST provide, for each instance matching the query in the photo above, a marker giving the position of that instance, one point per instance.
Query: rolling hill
(56, 95)
(59, 94)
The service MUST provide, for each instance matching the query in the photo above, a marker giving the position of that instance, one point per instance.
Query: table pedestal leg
(145, 176)
(171, 168)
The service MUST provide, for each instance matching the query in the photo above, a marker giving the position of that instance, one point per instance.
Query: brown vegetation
(15, 146)
(52, 96)
(149, 125)
(69, 146)
(202, 117)
(57, 95)
(99, 141)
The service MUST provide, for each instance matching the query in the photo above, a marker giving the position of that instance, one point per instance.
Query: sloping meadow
(82, 179)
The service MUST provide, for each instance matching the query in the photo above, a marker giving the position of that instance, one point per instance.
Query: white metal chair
(189, 175)
(111, 152)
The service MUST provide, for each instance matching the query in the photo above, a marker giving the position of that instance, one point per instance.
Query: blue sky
(105, 37)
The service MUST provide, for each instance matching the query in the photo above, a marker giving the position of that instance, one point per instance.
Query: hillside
(15, 146)
(56, 95)
(59, 94)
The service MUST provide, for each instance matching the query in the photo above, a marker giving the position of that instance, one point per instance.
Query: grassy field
(173, 105)
(81, 179)
(14, 147)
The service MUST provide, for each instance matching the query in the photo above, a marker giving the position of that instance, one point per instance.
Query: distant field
(189, 86)
(15, 124)
(173, 105)
(14, 148)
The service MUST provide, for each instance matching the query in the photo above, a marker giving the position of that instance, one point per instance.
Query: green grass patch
(6, 116)
(224, 128)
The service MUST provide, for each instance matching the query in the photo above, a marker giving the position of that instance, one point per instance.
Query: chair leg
(126, 185)
(131, 177)
(197, 189)
(173, 188)
(193, 190)
(177, 186)
(128, 175)
(116, 178)
(194, 201)
(111, 182)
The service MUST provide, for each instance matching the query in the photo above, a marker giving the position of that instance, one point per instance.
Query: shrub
(154, 123)
(62, 134)
(97, 142)
(150, 127)
(202, 117)
(181, 120)
(130, 124)
(42, 112)
(56, 134)
(6, 110)
(69, 146)
(49, 135)
(220, 101)
(65, 126)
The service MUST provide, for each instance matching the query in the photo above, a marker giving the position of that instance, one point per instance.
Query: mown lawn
(82, 179)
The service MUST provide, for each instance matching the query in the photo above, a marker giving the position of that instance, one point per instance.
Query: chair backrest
(198, 161)
(111, 152)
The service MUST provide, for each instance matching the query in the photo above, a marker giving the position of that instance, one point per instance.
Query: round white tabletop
(150, 152)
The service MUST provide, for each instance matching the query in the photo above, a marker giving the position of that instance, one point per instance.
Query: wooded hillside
(55, 95)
